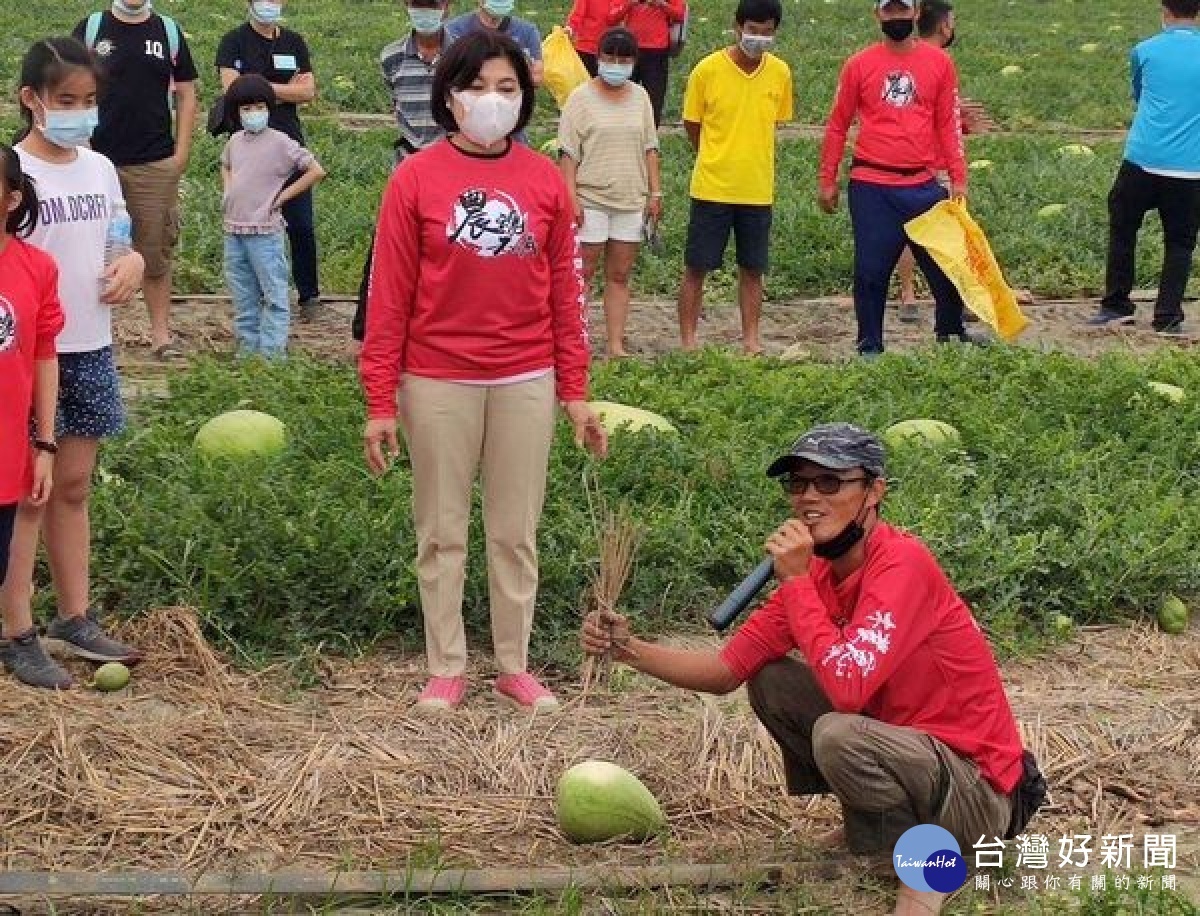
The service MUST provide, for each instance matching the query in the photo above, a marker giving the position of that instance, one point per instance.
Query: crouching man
(893, 701)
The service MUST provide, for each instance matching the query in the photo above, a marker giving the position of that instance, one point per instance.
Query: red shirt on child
(30, 319)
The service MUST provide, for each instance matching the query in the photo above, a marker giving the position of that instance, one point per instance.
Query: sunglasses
(825, 484)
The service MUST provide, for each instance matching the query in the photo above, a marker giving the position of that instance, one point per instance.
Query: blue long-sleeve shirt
(1165, 136)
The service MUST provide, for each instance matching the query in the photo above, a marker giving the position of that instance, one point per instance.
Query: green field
(1062, 90)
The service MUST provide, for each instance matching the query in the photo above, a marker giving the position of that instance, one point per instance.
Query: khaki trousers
(453, 431)
(888, 778)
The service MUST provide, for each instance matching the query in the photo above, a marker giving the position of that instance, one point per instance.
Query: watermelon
(622, 416)
(241, 434)
(920, 432)
(1173, 616)
(110, 676)
(1172, 393)
(597, 801)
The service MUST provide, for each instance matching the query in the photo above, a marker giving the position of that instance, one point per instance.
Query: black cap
(837, 446)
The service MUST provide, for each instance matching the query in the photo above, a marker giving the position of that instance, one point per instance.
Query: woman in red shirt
(651, 21)
(30, 319)
(476, 315)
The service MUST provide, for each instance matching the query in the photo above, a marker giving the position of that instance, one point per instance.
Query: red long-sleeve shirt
(588, 20)
(476, 276)
(907, 108)
(895, 642)
(30, 319)
(649, 22)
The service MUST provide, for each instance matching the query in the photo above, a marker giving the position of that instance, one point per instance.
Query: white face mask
(756, 46)
(487, 116)
(132, 12)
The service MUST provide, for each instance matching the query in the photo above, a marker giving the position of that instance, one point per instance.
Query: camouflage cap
(837, 446)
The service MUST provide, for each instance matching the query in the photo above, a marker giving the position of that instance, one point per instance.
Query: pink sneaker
(525, 691)
(442, 693)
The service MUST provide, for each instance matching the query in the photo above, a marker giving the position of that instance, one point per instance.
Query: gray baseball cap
(837, 446)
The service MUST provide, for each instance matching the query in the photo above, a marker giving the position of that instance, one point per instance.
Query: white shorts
(601, 225)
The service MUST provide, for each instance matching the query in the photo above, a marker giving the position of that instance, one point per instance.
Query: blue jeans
(256, 271)
(878, 214)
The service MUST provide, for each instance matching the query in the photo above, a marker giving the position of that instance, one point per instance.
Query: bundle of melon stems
(617, 537)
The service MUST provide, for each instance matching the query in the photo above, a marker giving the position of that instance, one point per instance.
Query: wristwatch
(44, 445)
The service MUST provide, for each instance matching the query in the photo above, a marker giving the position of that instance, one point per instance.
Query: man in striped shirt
(408, 66)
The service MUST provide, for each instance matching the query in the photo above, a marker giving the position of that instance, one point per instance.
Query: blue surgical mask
(425, 21)
(255, 121)
(756, 45)
(132, 11)
(614, 74)
(499, 8)
(266, 12)
(70, 128)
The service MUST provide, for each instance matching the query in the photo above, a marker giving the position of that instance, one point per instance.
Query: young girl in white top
(77, 191)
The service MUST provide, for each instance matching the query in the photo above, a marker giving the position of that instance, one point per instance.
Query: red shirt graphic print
(491, 224)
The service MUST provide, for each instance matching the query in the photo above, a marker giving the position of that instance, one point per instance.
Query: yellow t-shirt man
(737, 113)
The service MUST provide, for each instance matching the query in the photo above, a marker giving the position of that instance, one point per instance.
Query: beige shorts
(152, 198)
(602, 224)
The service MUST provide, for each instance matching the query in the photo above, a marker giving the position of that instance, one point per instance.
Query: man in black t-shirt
(281, 56)
(148, 69)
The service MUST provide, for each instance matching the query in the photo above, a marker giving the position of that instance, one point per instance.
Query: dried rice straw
(618, 540)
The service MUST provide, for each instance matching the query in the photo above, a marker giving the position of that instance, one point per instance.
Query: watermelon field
(269, 730)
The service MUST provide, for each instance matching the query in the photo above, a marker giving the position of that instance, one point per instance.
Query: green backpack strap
(92, 29)
(173, 39)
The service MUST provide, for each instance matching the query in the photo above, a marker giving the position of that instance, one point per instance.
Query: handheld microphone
(739, 599)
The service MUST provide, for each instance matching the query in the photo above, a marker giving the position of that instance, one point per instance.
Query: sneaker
(909, 313)
(443, 693)
(26, 660)
(84, 637)
(1174, 329)
(963, 337)
(312, 310)
(524, 691)
(1107, 318)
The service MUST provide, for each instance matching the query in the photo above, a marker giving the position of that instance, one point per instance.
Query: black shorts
(89, 395)
(709, 225)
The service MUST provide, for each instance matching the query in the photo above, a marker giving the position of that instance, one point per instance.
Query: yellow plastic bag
(955, 241)
(564, 71)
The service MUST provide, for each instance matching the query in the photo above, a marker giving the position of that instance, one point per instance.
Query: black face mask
(949, 41)
(843, 542)
(897, 29)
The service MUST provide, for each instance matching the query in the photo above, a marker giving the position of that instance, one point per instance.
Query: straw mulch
(201, 767)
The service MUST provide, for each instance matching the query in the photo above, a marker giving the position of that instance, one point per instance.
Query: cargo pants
(888, 778)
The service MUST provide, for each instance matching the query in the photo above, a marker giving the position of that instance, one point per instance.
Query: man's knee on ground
(837, 745)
